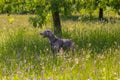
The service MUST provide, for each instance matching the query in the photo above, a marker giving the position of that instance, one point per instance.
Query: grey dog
(58, 43)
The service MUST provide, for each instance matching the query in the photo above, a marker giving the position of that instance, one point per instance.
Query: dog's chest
(52, 43)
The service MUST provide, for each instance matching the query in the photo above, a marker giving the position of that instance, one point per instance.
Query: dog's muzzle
(42, 35)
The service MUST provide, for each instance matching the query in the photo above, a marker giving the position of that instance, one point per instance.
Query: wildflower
(76, 60)
(51, 78)
(103, 70)
(25, 48)
(90, 79)
(88, 56)
(89, 45)
(11, 20)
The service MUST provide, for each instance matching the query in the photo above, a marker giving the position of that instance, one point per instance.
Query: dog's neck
(53, 39)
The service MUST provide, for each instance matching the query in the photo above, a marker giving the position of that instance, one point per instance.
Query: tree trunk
(56, 17)
(57, 23)
(101, 14)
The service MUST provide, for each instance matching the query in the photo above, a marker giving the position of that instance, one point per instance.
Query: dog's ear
(47, 32)
(50, 34)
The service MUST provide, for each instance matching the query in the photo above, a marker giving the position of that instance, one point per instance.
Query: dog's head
(46, 33)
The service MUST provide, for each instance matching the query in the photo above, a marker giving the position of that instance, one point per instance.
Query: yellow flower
(11, 20)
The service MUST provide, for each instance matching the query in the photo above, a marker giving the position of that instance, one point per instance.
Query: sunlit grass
(24, 54)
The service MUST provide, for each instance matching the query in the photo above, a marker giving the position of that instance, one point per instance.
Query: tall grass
(24, 54)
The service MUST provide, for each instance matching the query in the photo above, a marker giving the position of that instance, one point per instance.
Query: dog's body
(57, 43)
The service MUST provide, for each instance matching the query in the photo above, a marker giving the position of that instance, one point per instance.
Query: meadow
(25, 55)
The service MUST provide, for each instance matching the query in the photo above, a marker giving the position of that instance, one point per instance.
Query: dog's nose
(41, 33)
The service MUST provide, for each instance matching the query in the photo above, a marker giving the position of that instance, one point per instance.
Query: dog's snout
(41, 33)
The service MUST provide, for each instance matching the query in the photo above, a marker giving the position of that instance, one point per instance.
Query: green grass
(24, 54)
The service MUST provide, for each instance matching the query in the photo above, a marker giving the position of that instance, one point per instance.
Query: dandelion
(51, 78)
(83, 66)
(89, 45)
(115, 43)
(94, 61)
(61, 68)
(25, 48)
(47, 49)
(88, 56)
(103, 70)
(25, 60)
(54, 68)
(115, 73)
(76, 60)
(90, 79)
(11, 20)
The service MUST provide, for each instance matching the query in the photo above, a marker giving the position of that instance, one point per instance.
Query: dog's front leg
(55, 50)
(52, 49)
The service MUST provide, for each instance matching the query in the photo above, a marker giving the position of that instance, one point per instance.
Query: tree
(100, 5)
(100, 13)
(115, 4)
(54, 7)
(56, 17)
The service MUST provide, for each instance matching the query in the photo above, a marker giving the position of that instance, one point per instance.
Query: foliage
(115, 4)
(42, 8)
(17, 6)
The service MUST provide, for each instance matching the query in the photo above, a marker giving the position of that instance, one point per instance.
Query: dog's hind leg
(72, 49)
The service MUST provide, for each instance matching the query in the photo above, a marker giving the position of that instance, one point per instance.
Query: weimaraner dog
(58, 43)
